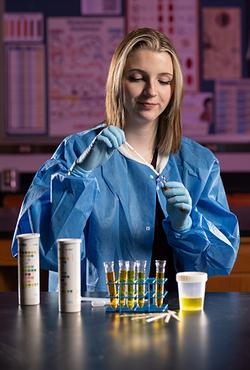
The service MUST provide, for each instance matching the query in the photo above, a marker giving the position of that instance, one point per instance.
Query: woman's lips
(147, 105)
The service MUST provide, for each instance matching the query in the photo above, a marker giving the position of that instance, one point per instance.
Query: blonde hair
(169, 133)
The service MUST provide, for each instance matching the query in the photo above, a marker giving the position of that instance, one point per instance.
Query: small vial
(159, 289)
(123, 278)
(162, 181)
(110, 278)
(131, 284)
(141, 272)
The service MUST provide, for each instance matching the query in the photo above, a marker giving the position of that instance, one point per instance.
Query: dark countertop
(39, 337)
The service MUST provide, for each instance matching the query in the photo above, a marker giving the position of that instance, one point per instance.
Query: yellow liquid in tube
(110, 276)
(123, 276)
(141, 288)
(131, 289)
(191, 304)
(159, 290)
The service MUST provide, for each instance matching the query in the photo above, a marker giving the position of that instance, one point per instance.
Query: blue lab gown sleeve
(53, 203)
(212, 243)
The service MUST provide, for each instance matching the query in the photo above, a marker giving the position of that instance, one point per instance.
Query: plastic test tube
(141, 272)
(131, 284)
(160, 274)
(123, 278)
(110, 278)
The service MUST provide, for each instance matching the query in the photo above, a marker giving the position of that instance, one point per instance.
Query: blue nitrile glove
(99, 151)
(179, 205)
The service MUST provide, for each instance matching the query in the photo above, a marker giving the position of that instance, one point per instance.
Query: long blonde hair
(169, 133)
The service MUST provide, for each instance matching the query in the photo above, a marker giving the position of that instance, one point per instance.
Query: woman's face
(147, 85)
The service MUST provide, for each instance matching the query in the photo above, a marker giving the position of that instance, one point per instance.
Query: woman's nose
(150, 90)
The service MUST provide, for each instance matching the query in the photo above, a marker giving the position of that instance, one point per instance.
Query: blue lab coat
(113, 212)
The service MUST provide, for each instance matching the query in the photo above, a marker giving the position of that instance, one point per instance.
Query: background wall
(22, 154)
(232, 149)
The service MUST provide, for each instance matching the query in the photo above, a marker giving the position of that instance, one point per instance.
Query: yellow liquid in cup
(191, 304)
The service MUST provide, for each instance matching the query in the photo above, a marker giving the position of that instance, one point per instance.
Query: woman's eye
(165, 82)
(135, 79)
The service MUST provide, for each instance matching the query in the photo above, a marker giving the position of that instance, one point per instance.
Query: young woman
(96, 188)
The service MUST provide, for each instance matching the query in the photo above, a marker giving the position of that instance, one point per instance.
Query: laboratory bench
(40, 337)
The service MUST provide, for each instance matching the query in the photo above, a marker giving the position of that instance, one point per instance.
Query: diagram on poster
(222, 43)
(178, 19)
(79, 53)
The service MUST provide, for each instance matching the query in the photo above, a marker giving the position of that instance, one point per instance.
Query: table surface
(39, 337)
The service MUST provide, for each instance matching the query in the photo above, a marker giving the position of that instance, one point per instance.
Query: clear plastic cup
(110, 280)
(141, 274)
(191, 290)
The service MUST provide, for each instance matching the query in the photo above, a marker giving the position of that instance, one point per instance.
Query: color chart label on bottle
(28, 269)
(64, 275)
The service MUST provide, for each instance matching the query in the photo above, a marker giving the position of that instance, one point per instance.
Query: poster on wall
(101, 7)
(197, 115)
(221, 43)
(25, 99)
(79, 53)
(179, 20)
(232, 106)
(23, 27)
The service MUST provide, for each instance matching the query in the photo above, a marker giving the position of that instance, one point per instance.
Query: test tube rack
(149, 296)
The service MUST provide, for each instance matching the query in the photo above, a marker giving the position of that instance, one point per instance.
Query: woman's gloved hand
(99, 151)
(179, 205)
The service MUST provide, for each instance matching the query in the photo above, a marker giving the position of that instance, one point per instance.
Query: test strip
(157, 317)
(144, 160)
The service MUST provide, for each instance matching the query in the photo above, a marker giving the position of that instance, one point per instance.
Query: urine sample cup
(141, 272)
(160, 276)
(191, 290)
(110, 280)
(131, 284)
(123, 278)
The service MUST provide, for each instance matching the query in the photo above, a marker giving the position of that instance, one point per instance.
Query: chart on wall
(179, 20)
(232, 106)
(25, 100)
(79, 53)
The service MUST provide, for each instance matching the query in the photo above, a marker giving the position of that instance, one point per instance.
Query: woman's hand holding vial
(179, 205)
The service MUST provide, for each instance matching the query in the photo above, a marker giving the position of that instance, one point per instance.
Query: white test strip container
(69, 275)
(28, 269)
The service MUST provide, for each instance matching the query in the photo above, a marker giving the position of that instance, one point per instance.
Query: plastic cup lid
(191, 277)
